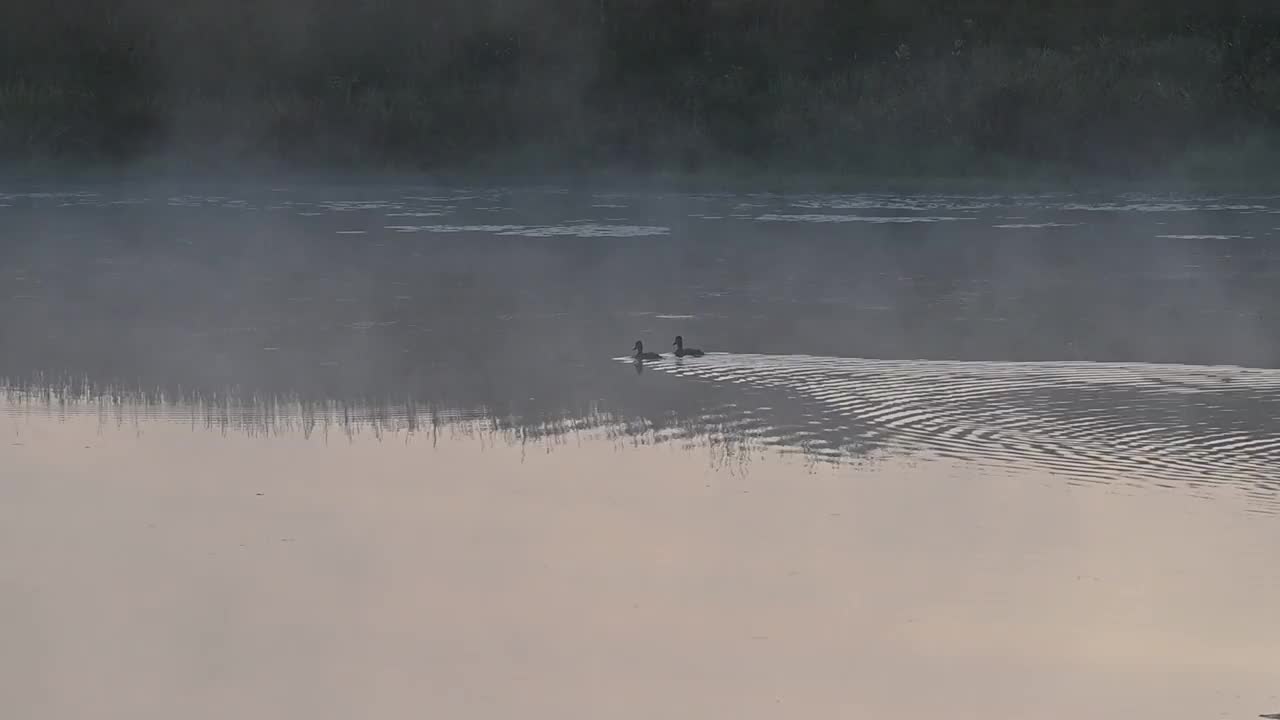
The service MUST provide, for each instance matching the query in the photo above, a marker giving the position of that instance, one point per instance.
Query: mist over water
(876, 312)
(948, 439)
(319, 401)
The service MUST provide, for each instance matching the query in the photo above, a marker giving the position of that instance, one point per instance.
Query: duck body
(682, 351)
(642, 355)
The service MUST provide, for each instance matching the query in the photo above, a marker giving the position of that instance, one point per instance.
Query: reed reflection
(1193, 428)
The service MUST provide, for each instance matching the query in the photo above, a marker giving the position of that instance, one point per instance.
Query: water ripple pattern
(1093, 421)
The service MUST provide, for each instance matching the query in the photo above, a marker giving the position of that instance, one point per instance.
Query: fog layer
(870, 87)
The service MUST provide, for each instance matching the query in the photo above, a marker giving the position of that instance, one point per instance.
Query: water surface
(323, 451)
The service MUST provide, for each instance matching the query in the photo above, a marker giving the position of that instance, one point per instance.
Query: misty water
(1019, 449)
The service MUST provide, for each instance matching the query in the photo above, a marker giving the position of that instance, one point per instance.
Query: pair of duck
(681, 350)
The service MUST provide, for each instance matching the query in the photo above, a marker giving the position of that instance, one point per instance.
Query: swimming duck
(642, 355)
(682, 351)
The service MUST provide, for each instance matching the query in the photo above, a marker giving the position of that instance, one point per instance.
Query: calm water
(1020, 449)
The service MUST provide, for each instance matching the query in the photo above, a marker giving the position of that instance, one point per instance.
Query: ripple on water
(576, 230)
(1029, 225)
(841, 218)
(890, 202)
(1206, 237)
(1105, 422)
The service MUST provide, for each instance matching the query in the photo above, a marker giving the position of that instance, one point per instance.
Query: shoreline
(1222, 177)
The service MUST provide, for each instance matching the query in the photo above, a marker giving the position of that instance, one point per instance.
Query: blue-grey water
(1108, 337)
(1093, 380)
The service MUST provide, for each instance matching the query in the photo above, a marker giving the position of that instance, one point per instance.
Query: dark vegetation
(870, 87)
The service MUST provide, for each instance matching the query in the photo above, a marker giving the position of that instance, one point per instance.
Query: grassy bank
(835, 93)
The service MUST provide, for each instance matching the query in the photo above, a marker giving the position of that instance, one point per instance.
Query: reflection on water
(169, 573)
(729, 434)
(1192, 427)
(328, 309)
(578, 229)
(874, 219)
(511, 523)
(1132, 422)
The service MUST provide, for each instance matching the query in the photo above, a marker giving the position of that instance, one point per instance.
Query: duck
(642, 355)
(682, 351)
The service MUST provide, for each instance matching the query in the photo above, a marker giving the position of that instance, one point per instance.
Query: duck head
(639, 347)
(679, 342)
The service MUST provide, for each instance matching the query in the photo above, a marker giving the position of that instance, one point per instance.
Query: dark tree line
(829, 85)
